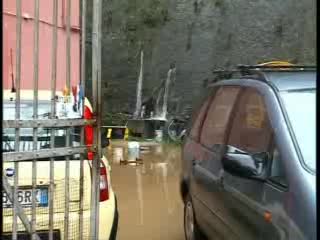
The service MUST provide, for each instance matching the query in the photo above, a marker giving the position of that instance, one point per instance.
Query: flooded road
(149, 201)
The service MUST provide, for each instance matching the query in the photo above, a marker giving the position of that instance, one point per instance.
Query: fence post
(53, 111)
(68, 131)
(82, 86)
(35, 113)
(96, 88)
(17, 131)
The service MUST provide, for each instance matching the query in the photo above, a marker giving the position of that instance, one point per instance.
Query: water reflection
(140, 193)
(117, 155)
(148, 194)
(161, 172)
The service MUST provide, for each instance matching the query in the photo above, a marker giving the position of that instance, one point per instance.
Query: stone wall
(196, 35)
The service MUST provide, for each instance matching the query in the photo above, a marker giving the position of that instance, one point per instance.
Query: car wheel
(191, 229)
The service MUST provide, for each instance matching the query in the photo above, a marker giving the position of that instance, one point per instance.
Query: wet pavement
(148, 195)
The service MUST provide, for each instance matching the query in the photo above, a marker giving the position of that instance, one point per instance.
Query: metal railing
(51, 153)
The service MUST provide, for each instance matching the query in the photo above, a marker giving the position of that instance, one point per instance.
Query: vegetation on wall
(143, 18)
(112, 119)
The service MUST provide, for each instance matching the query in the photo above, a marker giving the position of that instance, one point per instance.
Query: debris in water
(145, 149)
(138, 161)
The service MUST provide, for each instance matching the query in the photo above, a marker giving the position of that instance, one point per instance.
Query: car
(108, 209)
(249, 156)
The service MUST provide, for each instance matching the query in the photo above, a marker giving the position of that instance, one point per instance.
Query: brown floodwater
(149, 202)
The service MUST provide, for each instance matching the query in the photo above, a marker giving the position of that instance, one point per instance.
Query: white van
(108, 212)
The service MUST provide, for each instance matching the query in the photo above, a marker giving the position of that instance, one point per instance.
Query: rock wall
(198, 36)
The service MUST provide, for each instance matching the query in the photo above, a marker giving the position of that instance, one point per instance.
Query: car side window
(251, 130)
(196, 127)
(215, 125)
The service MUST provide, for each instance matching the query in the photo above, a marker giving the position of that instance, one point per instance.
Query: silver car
(249, 157)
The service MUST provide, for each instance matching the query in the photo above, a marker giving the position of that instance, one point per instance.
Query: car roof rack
(223, 74)
(277, 68)
(258, 71)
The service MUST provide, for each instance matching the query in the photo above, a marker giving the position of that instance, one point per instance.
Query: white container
(133, 151)
(159, 135)
(117, 155)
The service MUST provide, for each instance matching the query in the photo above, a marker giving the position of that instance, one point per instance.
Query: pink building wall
(45, 44)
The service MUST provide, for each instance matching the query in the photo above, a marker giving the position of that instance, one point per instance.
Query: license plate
(25, 198)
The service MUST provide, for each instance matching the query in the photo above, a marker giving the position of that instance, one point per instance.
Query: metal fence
(25, 219)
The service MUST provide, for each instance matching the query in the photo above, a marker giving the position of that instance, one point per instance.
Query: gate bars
(52, 123)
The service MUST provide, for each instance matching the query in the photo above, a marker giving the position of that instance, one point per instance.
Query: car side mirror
(245, 165)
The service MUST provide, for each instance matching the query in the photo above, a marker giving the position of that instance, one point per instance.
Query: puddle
(149, 201)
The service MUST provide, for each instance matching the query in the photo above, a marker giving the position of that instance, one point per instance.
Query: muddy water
(149, 202)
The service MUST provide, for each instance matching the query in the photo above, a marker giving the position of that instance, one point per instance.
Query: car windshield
(26, 134)
(301, 109)
(26, 111)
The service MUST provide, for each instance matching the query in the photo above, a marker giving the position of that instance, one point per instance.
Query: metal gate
(26, 218)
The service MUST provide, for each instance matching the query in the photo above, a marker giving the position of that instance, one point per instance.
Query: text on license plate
(25, 198)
